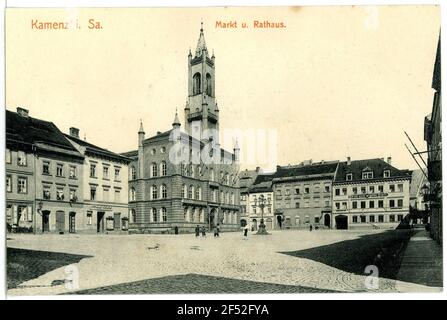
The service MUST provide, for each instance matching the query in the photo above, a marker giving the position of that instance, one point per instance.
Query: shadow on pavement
(23, 265)
(383, 250)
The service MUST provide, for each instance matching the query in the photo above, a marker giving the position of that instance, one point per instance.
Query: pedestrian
(218, 229)
(246, 231)
(197, 231)
(310, 227)
(216, 232)
(203, 231)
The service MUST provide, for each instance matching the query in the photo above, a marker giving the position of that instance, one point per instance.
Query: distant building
(433, 137)
(370, 193)
(418, 182)
(303, 194)
(105, 188)
(175, 189)
(44, 176)
(246, 179)
(260, 203)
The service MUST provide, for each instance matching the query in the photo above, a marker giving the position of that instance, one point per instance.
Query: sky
(335, 82)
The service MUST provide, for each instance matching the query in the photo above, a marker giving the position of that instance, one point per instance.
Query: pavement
(139, 263)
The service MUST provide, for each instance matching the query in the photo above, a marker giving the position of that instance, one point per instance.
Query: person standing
(203, 231)
(246, 231)
(197, 231)
(216, 232)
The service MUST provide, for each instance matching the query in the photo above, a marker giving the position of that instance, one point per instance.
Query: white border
(195, 3)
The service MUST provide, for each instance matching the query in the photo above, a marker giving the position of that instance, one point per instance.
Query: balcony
(212, 117)
(195, 116)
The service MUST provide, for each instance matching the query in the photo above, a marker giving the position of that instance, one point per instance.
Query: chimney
(74, 132)
(388, 160)
(348, 161)
(22, 112)
(258, 169)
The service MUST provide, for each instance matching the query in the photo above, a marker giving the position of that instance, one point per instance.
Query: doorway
(100, 222)
(117, 221)
(327, 220)
(60, 222)
(255, 225)
(341, 222)
(45, 221)
(211, 219)
(72, 222)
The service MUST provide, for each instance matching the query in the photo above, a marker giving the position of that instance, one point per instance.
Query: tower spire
(141, 127)
(176, 123)
(201, 45)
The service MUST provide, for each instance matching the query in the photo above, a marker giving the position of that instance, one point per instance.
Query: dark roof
(21, 130)
(436, 82)
(95, 150)
(377, 166)
(246, 179)
(263, 183)
(306, 170)
(130, 154)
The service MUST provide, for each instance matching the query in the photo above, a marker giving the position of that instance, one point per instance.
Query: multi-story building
(43, 176)
(184, 179)
(303, 194)
(246, 180)
(433, 137)
(260, 203)
(370, 193)
(105, 188)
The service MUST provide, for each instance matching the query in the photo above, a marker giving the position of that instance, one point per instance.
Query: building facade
(370, 194)
(260, 203)
(246, 180)
(105, 189)
(433, 137)
(184, 179)
(303, 194)
(44, 176)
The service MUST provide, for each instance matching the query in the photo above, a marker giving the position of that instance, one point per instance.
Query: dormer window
(386, 173)
(367, 175)
(349, 177)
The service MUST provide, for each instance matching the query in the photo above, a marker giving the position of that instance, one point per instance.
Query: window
(327, 189)
(337, 205)
(380, 204)
(362, 219)
(21, 158)
(212, 174)
(400, 203)
(164, 191)
(133, 173)
(154, 170)
(386, 173)
(153, 151)
(363, 190)
(72, 195)
(117, 174)
(392, 204)
(380, 188)
(372, 218)
(196, 89)
(354, 205)
(363, 204)
(327, 203)
(117, 195)
(349, 177)
(46, 167)
(105, 172)
(367, 175)
(105, 194)
(297, 205)
(287, 192)
(133, 216)
(371, 189)
(400, 217)
(392, 188)
(190, 192)
(92, 170)
(46, 192)
(400, 187)
(8, 156)
(316, 219)
(164, 217)
(208, 85)
(22, 185)
(354, 190)
(59, 170)
(344, 205)
(60, 194)
(198, 191)
(163, 169)
(154, 215)
(344, 191)
(381, 219)
(184, 191)
(354, 219)
(89, 217)
(371, 203)
(92, 193)
(8, 183)
(72, 173)
(306, 190)
(132, 194)
(337, 192)
(392, 218)
(306, 204)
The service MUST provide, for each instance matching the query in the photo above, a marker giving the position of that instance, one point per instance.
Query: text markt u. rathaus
(181, 179)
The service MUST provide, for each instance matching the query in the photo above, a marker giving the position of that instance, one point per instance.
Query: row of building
(347, 194)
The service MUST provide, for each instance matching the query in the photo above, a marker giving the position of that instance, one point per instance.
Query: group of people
(203, 231)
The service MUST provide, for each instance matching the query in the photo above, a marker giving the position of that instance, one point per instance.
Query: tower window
(196, 84)
(208, 85)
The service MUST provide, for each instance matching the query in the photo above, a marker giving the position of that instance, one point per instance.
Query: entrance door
(60, 222)
(341, 222)
(72, 222)
(100, 222)
(45, 221)
(116, 221)
(327, 220)
(211, 219)
(255, 225)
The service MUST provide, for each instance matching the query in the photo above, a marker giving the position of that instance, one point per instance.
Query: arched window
(154, 192)
(133, 216)
(132, 194)
(196, 84)
(184, 191)
(163, 169)
(164, 217)
(154, 170)
(198, 191)
(154, 215)
(208, 85)
(133, 173)
(164, 192)
(191, 192)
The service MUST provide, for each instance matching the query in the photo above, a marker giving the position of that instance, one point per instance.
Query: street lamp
(262, 230)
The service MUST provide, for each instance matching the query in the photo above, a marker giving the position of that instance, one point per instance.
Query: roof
(262, 183)
(201, 45)
(95, 150)
(377, 166)
(305, 171)
(436, 82)
(27, 130)
(246, 179)
(130, 154)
